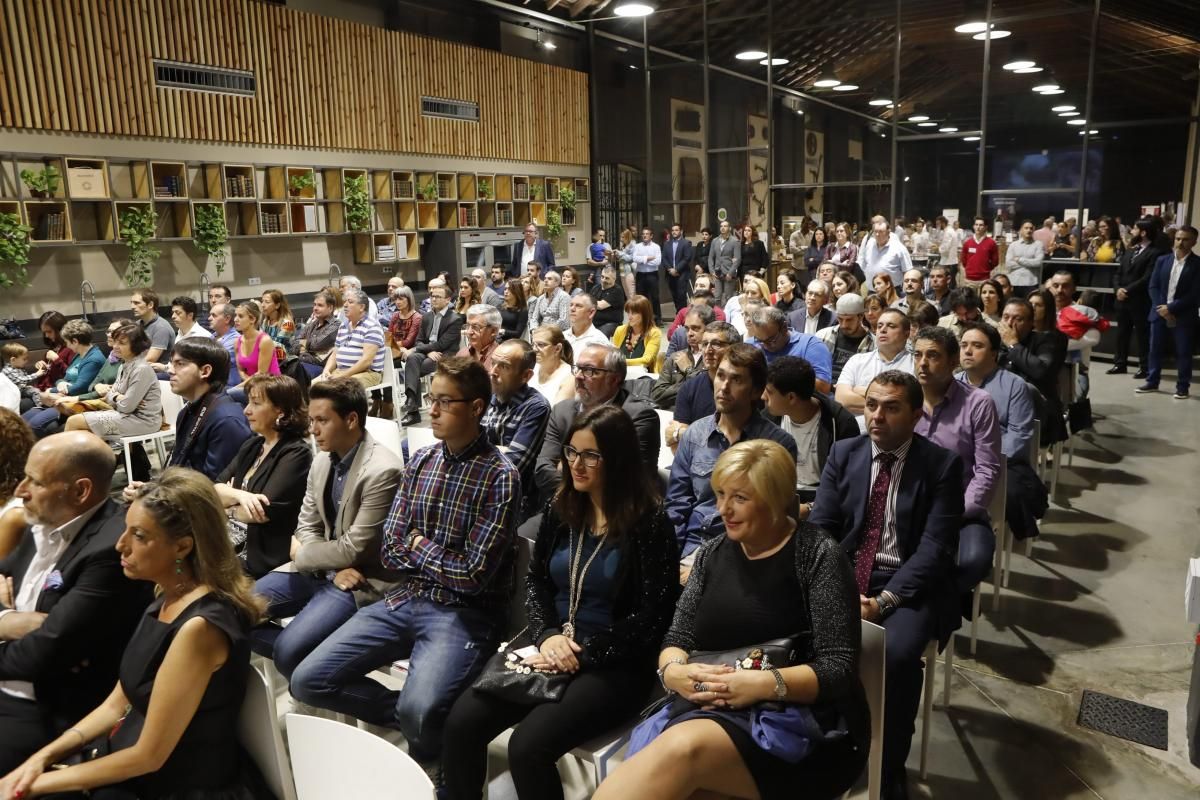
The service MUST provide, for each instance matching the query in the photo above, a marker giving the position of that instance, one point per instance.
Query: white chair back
(331, 759)
(872, 671)
(387, 433)
(258, 731)
(172, 403)
(665, 456)
(996, 507)
(418, 438)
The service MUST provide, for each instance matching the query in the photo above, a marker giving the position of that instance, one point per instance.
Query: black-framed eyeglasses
(710, 345)
(591, 458)
(442, 400)
(588, 372)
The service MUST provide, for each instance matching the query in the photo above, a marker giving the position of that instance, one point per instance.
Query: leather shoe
(1116, 371)
(411, 417)
(895, 786)
(1146, 388)
(1140, 375)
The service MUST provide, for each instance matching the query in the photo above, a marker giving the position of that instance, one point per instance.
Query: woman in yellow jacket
(639, 339)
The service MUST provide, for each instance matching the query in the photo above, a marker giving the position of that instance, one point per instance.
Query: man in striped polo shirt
(358, 352)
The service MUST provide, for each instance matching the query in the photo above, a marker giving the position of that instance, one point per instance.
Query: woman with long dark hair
(754, 253)
(58, 354)
(600, 592)
(514, 314)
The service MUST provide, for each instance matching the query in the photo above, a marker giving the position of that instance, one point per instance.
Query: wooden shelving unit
(12, 207)
(447, 185)
(551, 189)
(306, 216)
(241, 218)
(468, 215)
(487, 215)
(37, 164)
(406, 215)
(129, 180)
(408, 246)
(238, 182)
(403, 185)
(383, 216)
(504, 215)
(86, 178)
(169, 180)
(537, 213)
(427, 216)
(583, 190)
(174, 221)
(93, 221)
(273, 218)
(50, 220)
(448, 216)
(485, 188)
(381, 184)
(504, 188)
(520, 188)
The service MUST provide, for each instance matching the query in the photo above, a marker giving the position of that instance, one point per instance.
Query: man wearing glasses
(695, 398)
(517, 416)
(769, 331)
(483, 326)
(449, 539)
(599, 379)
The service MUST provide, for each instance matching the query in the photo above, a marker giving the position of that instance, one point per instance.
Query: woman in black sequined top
(605, 533)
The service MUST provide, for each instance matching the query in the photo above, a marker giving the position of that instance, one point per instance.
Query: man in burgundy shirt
(980, 255)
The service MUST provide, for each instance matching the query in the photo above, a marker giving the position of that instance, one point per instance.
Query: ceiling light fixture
(846, 87)
(1053, 92)
(775, 62)
(750, 55)
(1077, 122)
(919, 118)
(1068, 113)
(1093, 130)
(880, 101)
(633, 10)
(1027, 71)
(970, 138)
(1048, 86)
(1020, 63)
(927, 124)
(994, 33)
(828, 80)
(971, 27)
(1063, 108)
(948, 129)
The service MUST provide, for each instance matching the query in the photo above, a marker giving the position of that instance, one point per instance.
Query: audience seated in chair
(450, 537)
(695, 398)
(68, 612)
(1037, 354)
(681, 364)
(738, 387)
(144, 304)
(770, 333)
(849, 336)
(83, 372)
(617, 609)
(610, 301)
(552, 377)
(891, 352)
(318, 336)
(744, 732)
(483, 333)
(895, 502)
(517, 414)
(335, 566)
(582, 331)
(211, 427)
(359, 351)
(441, 329)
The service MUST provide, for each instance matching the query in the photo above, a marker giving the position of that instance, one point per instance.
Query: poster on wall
(1080, 219)
(814, 172)
(1152, 211)
(687, 164)
(951, 214)
(759, 182)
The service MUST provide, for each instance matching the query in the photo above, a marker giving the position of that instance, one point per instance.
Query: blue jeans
(42, 420)
(447, 648)
(319, 609)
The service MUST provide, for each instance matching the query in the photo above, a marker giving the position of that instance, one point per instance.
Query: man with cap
(849, 335)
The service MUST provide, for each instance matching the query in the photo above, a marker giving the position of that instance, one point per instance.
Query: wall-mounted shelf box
(87, 178)
(169, 180)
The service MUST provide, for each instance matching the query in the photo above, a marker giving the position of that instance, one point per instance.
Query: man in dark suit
(66, 610)
(895, 502)
(1131, 280)
(814, 315)
(677, 256)
(438, 338)
(1174, 299)
(1038, 357)
(532, 248)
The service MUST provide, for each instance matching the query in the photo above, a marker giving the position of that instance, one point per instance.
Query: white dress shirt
(1173, 281)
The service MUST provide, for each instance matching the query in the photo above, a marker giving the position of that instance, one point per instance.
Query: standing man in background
(647, 257)
(531, 248)
(677, 255)
(724, 257)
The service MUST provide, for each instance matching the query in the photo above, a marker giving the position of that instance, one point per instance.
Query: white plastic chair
(172, 404)
(872, 671)
(331, 759)
(388, 382)
(258, 731)
(387, 433)
(927, 700)
(419, 438)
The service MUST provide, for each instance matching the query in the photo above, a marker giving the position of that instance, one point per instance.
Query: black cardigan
(647, 585)
(283, 478)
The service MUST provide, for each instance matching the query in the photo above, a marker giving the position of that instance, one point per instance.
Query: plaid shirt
(517, 428)
(465, 507)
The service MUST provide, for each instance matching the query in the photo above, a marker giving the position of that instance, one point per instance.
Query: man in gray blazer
(335, 565)
(724, 257)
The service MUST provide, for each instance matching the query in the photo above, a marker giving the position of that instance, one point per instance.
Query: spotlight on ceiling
(948, 129)
(1068, 113)
(1077, 122)
(846, 87)
(970, 138)
(1063, 108)
(994, 33)
(1020, 63)
(828, 80)
(919, 118)
(971, 27)
(927, 124)
(775, 62)
(1048, 86)
(1027, 71)
(750, 55)
(879, 101)
(1053, 92)
(633, 10)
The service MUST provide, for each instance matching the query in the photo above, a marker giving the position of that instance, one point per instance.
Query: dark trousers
(909, 630)
(416, 366)
(23, 731)
(595, 701)
(1133, 317)
(679, 285)
(1182, 339)
(646, 284)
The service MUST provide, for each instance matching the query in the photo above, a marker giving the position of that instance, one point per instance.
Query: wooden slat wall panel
(85, 66)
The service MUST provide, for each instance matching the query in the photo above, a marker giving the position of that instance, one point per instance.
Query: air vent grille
(450, 109)
(199, 78)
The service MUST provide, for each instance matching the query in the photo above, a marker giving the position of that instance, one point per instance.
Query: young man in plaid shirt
(451, 536)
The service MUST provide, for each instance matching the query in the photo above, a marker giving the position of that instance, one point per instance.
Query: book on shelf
(385, 253)
(401, 247)
(272, 223)
(168, 187)
(239, 186)
(50, 227)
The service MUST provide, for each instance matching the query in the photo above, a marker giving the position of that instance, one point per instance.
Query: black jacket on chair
(72, 659)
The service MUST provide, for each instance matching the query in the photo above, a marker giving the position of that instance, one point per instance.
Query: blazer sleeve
(935, 554)
(635, 636)
(649, 434)
(546, 474)
(1158, 282)
(310, 527)
(285, 483)
(449, 335)
(364, 523)
(826, 509)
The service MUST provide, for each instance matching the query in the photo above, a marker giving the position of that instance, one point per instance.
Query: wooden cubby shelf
(447, 184)
(427, 216)
(403, 186)
(406, 215)
(87, 178)
(129, 180)
(448, 216)
(504, 188)
(381, 184)
(241, 218)
(12, 207)
(487, 215)
(551, 185)
(374, 248)
(383, 216)
(537, 214)
(521, 214)
(427, 187)
(467, 187)
(300, 195)
(238, 182)
(93, 221)
(504, 215)
(407, 246)
(273, 218)
(468, 215)
(485, 187)
(306, 217)
(174, 221)
(537, 189)
(169, 180)
(520, 188)
(49, 219)
(583, 190)
(37, 164)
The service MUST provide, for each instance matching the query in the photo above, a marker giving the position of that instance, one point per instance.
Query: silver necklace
(575, 586)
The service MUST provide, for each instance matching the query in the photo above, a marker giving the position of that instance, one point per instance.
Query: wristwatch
(886, 604)
(780, 686)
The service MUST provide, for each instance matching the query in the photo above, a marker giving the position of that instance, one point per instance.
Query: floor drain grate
(1124, 718)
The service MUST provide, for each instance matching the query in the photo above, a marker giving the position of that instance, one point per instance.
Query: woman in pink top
(255, 350)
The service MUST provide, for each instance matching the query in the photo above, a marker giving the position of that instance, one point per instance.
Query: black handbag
(772, 654)
(504, 676)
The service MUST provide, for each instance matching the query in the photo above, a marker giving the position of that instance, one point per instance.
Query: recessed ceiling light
(927, 124)
(775, 62)
(948, 129)
(1077, 122)
(994, 33)
(1053, 92)
(549, 45)
(879, 101)
(1027, 71)
(970, 138)
(846, 87)
(919, 118)
(1020, 63)
(1093, 130)
(1048, 86)
(1063, 108)
(828, 80)
(1068, 113)
(971, 27)
(633, 10)
(750, 55)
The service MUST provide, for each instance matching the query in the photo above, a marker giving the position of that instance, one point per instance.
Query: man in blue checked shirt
(517, 416)
(450, 535)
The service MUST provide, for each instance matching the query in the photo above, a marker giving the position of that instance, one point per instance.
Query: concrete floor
(1099, 605)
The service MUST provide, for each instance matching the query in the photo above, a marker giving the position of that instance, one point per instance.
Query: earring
(279, 422)
(179, 566)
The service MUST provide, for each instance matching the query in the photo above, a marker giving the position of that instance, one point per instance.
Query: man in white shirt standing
(647, 257)
(891, 352)
(1024, 261)
(882, 251)
(581, 333)
(532, 248)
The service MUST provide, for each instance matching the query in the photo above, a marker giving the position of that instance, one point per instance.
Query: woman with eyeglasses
(552, 377)
(600, 593)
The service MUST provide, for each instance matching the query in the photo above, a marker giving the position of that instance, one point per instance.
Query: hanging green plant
(566, 198)
(554, 226)
(137, 231)
(42, 183)
(358, 205)
(211, 234)
(14, 250)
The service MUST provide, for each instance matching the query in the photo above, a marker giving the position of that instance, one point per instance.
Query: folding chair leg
(997, 576)
(948, 666)
(1008, 548)
(1071, 450)
(927, 704)
(128, 465)
(975, 617)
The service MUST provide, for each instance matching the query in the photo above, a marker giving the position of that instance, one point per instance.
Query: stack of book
(51, 227)
(272, 223)
(385, 252)
(466, 217)
(239, 186)
(170, 186)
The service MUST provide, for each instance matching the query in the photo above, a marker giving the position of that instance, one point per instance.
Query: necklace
(575, 586)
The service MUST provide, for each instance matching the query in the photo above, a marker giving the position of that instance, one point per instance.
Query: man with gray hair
(483, 329)
(220, 317)
(552, 307)
(768, 328)
(581, 333)
(815, 314)
(489, 295)
(351, 282)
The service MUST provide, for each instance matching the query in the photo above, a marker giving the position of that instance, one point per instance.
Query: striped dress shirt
(888, 556)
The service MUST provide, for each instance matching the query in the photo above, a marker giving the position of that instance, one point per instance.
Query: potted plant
(300, 182)
(14, 249)
(358, 206)
(428, 190)
(137, 225)
(211, 234)
(535, 191)
(43, 183)
(485, 189)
